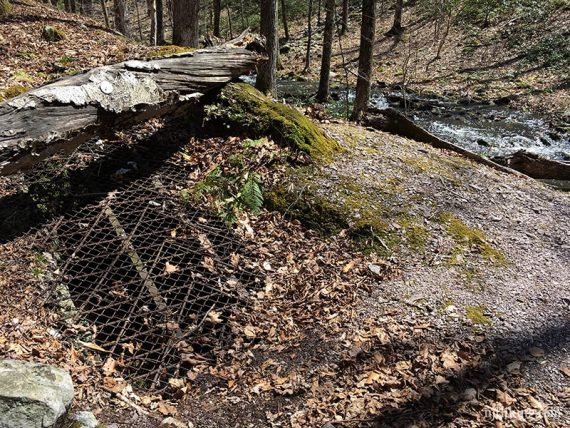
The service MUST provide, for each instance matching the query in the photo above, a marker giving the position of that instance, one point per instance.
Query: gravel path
(521, 302)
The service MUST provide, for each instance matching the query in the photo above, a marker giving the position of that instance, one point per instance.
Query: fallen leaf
(534, 403)
(92, 346)
(267, 266)
(349, 266)
(249, 331)
(109, 366)
(208, 263)
(166, 409)
(214, 317)
(170, 268)
(565, 370)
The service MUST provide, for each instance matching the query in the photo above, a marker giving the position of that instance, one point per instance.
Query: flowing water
(487, 129)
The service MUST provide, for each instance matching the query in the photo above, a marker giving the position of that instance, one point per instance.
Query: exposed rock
(52, 34)
(33, 395)
(85, 419)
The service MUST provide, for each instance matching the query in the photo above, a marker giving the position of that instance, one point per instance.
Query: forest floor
(473, 63)
(454, 312)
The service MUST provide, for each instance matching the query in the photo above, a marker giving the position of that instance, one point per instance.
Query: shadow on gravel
(442, 407)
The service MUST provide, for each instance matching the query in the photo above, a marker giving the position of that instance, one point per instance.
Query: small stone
(470, 394)
(106, 87)
(85, 419)
(171, 422)
(375, 269)
(33, 395)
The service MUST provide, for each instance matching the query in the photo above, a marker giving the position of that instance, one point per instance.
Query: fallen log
(394, 122)
(535, 166)
(60, 116)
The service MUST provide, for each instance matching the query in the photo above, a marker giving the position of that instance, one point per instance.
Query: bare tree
(217, 16)
(365, 61)
(105, 13)
(344, 26)
(186, 30)
(324, 83)
(266, 74)
(153, 15)
(284, 18)
(397, 25)
(159, 22)
(309, 37)
(121, 17)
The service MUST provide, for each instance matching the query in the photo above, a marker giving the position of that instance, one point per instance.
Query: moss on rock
(477, 315)
(241, 106)
(12, 91)
(52, 34)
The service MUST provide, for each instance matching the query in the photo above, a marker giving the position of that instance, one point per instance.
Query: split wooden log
(535, 166)
(62, 115)
(394, 122)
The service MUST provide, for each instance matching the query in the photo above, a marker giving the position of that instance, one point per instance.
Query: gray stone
(85, 420)
(33, 395)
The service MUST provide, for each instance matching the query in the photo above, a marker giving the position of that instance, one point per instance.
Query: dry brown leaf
(92, 346)
(249, 331)
(170, 268)
(534, 403)
(565, 370)
(208, 263)
(109, 366)
(214, 317)
(167, 409)
(349, 266)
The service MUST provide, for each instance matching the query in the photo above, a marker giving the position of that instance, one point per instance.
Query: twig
(130, 403)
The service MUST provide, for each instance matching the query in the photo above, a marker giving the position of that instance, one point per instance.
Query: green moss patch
(477, 315)
(5, 7)
(467, 238)
(243, 108)
(12, 91)
(169, 50)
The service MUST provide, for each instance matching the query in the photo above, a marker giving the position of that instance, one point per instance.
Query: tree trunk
(397, 25)
(186, 31)
(309, 37)
(159, 22)
(324, 83)
(64, 114)
(230, 21)
(121, 24)
(152, 13)
(284, 18)
(365, 62)
(266, 74)
(87, 8)
(217, 17)
(105, 13)
(344, 27)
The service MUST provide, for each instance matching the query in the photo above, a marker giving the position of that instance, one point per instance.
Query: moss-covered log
(240, 106)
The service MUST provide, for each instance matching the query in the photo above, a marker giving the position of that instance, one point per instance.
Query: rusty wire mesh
(137, 270)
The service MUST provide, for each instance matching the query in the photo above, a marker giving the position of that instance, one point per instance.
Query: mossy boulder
(5, 7)
(241, 107)
(52, 34)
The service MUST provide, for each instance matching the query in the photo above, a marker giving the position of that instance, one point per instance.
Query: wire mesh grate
(138, 270)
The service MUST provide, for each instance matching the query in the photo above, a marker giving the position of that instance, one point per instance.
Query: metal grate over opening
(144, 276)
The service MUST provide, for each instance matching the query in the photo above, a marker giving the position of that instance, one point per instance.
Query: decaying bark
(392, 121)
(62, 115)
(535, 166)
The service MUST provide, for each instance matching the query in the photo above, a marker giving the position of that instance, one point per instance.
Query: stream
(484, 128)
